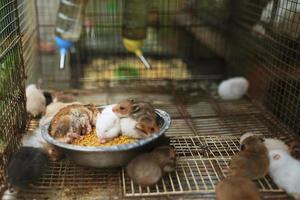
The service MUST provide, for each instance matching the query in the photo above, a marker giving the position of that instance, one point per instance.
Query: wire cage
(192, 45)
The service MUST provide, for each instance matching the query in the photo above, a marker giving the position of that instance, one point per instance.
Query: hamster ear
(243, 147)
(276, 157)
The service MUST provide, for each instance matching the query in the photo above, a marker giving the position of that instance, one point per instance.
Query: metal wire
(12, 98)
(203, 155)
(187, 44)
(201, 165)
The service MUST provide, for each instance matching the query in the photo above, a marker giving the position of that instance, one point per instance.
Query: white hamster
(233, 88)
(35, 101)
(272, 144)
(285, 171)
(107, 124)
(34, 139)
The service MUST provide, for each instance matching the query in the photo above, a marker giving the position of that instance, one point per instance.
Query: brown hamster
(147, 124)
(141, 108)
(252, 161)
(135, 108)
(147, 169)
(237, 188)
(71, 122)
(124, 108)
(53, 152)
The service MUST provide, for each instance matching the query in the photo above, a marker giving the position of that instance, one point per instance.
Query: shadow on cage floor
(205, 132)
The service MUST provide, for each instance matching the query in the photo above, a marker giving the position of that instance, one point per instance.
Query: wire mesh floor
(205, 134)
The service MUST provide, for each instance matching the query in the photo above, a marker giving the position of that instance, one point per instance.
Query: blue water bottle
(68, 25)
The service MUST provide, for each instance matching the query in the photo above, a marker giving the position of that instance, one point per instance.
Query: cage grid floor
(202, 163)
(205, 137)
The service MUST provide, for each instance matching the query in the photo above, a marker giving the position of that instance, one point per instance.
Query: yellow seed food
(91, 139)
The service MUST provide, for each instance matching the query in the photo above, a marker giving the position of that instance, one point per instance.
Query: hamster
(147, 169)
(237, 188)
(34, 139)
(272, 143)
(233, 89)
(252, 161)
(285, 171)
(52, 109)
(71, 122)
(141, 108)
(35, 101)
(54, 153)
(244, 136)
(135, 108)
(294, 148)
(108, 124)
(128, 128)
(141, 128)
(37, 141)
(124, 107)
(25, 167)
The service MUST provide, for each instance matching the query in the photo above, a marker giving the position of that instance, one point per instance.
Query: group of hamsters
(70, 120)
(257, 158)
(131, 117)
(35, 153)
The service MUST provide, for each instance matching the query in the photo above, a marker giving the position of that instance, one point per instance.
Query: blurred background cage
(192, 45)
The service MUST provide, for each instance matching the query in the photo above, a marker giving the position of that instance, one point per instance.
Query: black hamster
(26, 166)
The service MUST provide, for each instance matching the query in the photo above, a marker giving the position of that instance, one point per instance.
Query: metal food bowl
(111, 156)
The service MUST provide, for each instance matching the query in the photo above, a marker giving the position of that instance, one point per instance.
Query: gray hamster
(147, 169)
(26, 166)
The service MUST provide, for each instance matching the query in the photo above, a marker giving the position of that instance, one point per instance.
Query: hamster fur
(26, 166)
(272, 143)
(128, 128)
(147, 169)
(237, 188)
(285, 171)
(35, 101)
(244, 136)
(34, 139)
(233, 89)
(107, 124)
(252, 161)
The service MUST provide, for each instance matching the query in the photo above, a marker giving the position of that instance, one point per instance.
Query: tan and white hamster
(270, 143)
(71, 122)
(135, 108)
(237, 188)
(252, 161)
(147, 169)
(143, 127)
